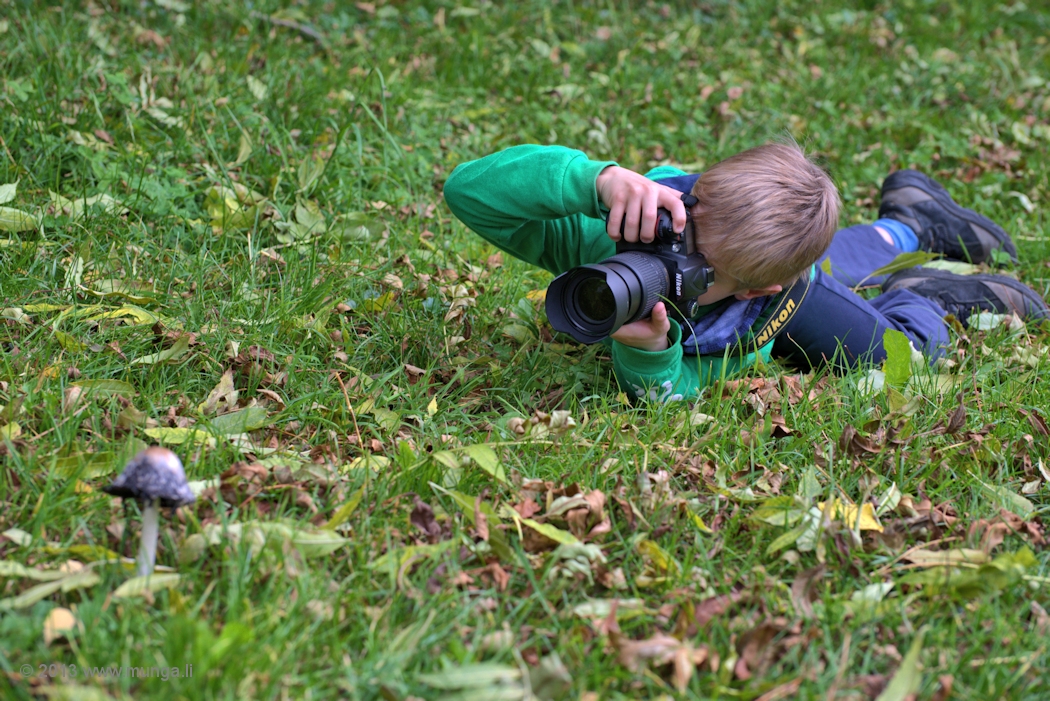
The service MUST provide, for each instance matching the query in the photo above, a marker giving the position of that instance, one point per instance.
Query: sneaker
(963, 294)
(941, 225)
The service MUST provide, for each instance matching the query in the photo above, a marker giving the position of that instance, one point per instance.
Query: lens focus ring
(651, 273)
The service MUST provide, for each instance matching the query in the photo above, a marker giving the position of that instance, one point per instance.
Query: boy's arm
(538, 203)
(670, 375)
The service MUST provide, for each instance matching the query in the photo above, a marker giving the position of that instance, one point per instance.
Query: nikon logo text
(775, 323)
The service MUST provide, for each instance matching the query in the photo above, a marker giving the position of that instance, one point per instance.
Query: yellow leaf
(536, 295)
(58, 622)
(847, 513)
(140, 315)
(10, 432)
(432, 408)
(552, 532)
(660, 558)
(380, 303)
(699, 523)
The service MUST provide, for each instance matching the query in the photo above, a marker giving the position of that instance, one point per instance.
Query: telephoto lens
(592, 301)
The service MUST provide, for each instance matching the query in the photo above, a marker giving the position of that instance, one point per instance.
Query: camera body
(688, 271)
(590, 302)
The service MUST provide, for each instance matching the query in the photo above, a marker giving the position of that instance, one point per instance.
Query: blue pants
(836, 326)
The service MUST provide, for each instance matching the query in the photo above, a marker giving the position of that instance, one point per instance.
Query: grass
(330, 301)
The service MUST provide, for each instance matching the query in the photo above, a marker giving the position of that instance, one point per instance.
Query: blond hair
(765, 215)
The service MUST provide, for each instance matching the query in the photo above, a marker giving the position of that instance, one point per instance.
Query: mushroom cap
(153, 474)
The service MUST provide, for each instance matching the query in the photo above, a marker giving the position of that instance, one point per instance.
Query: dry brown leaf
(780, 428)
(527, 508)
(993, 531)
(761, 646)
(499, 577)
(1038, 422)
(659, 650)
(802, 590)
(715, 606)
(422, 517)
(957, 420)
(853, 442)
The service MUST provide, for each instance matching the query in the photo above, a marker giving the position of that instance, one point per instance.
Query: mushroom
(154, 478)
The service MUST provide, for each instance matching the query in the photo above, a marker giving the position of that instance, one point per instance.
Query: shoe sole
(912, 178)
(1039, 308)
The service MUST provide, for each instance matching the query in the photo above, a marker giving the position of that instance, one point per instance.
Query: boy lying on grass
(764, 219)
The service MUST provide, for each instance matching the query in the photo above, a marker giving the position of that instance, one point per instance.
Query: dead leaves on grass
(658, 650)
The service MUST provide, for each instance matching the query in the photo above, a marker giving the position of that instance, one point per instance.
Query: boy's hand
(634, 199)
(647, 334)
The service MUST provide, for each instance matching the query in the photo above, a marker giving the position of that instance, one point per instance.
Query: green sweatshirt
(540, 204)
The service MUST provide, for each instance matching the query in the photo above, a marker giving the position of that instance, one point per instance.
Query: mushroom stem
(148, 546)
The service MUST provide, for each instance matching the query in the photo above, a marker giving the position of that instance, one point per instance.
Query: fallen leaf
(848, 514)
(222, 398)
(59, 621)
(178, 436)
(660, 649)
(241, 421)
(177, 350)
(907, 679)
(1008, 499)
(152, 583)
(345, 511)
(15, 220)
(106, 388)
(802, 590)
(943, 558)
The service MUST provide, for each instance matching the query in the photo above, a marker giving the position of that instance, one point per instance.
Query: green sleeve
(671, 375)
(537, 203)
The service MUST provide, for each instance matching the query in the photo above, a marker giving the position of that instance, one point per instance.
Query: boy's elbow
(454, 192)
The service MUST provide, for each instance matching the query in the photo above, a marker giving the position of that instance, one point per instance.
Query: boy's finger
(648, 223)
(612, 226)
(671, 200)
(631, 217)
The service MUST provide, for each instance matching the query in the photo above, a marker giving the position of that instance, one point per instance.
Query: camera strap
(780, 312)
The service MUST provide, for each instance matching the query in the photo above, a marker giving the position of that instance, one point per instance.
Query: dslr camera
(590, 302)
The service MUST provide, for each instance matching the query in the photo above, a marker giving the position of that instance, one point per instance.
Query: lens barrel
(592, 301)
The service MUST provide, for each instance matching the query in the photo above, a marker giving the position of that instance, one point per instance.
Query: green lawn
(228, 236)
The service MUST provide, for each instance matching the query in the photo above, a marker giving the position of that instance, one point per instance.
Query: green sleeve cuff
(579, 188)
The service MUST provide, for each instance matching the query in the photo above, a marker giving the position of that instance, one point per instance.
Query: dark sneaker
(942, 226)
(962, 294)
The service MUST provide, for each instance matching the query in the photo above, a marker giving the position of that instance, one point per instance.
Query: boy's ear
(759, 292)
